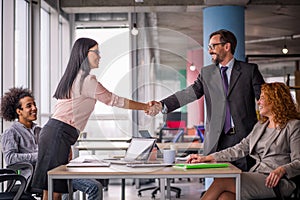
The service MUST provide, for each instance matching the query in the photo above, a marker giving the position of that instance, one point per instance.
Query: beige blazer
(283, 149)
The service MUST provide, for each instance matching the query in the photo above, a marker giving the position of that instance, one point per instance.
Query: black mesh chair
(26, 169)
(16, 185)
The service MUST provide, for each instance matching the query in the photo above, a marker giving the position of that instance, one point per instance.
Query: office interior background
(37, 35)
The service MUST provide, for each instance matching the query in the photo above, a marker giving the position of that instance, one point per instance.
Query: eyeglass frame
(95, 51)
(212, 46)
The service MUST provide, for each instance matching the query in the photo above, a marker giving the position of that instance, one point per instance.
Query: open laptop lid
(139, 149)
(146, 134)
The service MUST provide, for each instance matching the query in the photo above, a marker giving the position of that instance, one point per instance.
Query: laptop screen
(145, 134)
(139, 149)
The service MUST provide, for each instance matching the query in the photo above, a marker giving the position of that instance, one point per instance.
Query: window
(45, 95)
(1, 119)
(22, 75)
(114, 73)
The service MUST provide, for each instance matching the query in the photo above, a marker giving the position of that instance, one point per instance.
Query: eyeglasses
(212, 46)
(95, 51)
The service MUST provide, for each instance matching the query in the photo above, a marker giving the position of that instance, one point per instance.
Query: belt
(231, 131)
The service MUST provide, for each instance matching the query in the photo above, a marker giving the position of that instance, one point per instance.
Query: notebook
(138, 152)
(201, 165)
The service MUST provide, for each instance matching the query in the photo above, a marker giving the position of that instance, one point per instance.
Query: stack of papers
(88, 163)
(149, 165)
(201, 165)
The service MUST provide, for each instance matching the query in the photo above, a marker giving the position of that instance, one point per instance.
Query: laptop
(146, 134)
(138, 152)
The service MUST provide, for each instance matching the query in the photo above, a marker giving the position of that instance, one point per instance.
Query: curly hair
(11, 101)
(278, 95)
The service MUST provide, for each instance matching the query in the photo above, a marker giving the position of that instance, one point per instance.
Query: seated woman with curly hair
(274, 143)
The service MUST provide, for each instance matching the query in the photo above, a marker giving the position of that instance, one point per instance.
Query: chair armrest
(23, 166)
(10, 184)
(14, 178)
(7, 171)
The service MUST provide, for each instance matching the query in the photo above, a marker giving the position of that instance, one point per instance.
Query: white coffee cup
(169, 156)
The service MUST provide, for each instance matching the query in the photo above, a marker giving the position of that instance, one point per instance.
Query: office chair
(155, 189)
(26, 169)
(200, 130)
(11, 178)
(295, 194)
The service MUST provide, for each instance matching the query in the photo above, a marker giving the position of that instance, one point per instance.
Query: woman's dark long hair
(78, 60)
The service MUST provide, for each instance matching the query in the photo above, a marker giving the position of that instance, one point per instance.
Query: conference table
(124, 172)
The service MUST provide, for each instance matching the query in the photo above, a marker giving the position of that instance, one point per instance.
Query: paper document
(88, 163)
(182, 158)
(149, 164)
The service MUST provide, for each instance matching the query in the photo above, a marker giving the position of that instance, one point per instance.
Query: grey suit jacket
(283, 149)
(244, 87)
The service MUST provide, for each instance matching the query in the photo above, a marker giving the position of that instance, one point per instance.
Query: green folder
(201, 165)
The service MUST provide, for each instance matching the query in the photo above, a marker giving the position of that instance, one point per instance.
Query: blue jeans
(91, 187)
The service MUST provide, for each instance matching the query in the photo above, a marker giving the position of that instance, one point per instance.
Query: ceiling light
(134, 30)
(192, 67)
(285, 49)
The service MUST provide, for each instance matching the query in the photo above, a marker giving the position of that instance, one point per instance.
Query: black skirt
(55, 141)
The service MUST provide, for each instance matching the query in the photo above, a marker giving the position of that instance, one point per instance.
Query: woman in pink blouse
(76, 94)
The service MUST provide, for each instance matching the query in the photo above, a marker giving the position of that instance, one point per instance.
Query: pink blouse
(77, 110)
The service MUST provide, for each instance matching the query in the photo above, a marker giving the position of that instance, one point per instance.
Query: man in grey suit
(231, 112)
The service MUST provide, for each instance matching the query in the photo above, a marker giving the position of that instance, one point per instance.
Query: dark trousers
(229, 140)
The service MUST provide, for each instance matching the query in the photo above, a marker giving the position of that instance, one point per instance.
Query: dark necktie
(227, 124)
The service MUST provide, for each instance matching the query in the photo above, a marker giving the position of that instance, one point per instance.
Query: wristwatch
(164, 108)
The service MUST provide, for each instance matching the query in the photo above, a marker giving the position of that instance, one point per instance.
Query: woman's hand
(195, 158)
(274, 177)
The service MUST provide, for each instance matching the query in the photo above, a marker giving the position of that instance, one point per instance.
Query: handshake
(154, 108)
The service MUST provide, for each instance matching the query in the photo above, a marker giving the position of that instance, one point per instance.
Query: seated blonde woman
(274, 143)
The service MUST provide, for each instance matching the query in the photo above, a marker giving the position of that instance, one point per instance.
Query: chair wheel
(153, 196)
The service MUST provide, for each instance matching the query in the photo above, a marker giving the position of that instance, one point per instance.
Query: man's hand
(155, 108)
(274, 177)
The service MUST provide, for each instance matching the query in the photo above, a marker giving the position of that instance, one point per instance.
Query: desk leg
(162, 189)
(238, 187)
(123, 189)
(168, 189)
(70, 189)
(50, 187)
